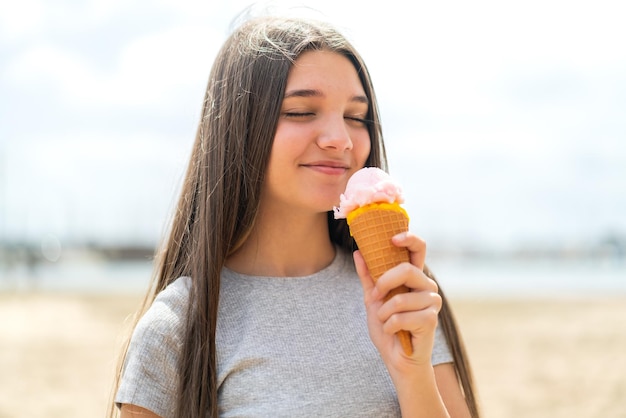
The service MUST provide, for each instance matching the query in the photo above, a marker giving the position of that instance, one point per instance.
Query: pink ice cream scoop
(366, 186)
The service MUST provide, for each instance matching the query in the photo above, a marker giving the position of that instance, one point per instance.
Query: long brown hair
(220, 194)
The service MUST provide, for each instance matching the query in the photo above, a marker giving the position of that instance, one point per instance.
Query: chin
(323, 200)
(321, 207)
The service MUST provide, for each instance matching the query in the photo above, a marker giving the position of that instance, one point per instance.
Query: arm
(450, 391)
(132, 411)
(423, 390)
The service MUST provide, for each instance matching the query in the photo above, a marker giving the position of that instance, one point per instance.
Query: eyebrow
(318, 93)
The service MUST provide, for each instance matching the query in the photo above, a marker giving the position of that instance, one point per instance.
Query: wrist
(417, 392)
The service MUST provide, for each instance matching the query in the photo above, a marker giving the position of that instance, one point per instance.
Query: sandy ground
(537, 358)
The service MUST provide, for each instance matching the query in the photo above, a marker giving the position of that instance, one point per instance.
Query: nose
(334, 134)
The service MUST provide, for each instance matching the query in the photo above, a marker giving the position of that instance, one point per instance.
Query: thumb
(364, 275)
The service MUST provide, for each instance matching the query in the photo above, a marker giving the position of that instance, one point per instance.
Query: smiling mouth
(327, 167)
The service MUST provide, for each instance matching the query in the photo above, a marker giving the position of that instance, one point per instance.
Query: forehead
(330, 69)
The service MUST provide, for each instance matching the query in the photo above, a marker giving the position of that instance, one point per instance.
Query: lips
(328, 167)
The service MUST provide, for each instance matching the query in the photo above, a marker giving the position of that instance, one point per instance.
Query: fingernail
(400, 236)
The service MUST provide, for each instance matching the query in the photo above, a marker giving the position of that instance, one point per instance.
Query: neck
(285, 245)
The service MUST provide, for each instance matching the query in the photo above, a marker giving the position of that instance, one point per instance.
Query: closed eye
(358, 120)
(298, 114)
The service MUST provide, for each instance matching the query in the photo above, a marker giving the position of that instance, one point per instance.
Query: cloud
(20, 19)
(149, 70)
(27, 20)
(92, 185)
(494, 112)
(47, 64)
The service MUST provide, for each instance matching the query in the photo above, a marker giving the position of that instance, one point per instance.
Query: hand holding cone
(374, 216)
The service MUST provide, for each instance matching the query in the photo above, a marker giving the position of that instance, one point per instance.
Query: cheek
(288, 140)
(282, 146)
(362, 148)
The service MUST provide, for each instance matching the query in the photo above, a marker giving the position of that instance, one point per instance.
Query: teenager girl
(259, 307)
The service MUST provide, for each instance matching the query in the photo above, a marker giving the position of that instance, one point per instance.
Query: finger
(409, 302)
(416, 322)
(407, 275)
(415, 245)
(361, 268)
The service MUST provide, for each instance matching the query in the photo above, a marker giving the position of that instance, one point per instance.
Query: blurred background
(504, 121)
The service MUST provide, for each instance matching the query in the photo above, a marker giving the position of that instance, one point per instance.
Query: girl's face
(322, 136)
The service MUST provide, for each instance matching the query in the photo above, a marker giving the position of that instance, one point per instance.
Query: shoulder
(167, 313)
(159, 333)
(150, 374)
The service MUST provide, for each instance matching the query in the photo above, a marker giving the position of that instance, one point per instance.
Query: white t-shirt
(286, 347)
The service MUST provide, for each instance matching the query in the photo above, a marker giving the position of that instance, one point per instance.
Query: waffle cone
(372, 228)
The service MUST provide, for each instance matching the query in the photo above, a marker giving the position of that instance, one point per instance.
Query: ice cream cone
(372, 227)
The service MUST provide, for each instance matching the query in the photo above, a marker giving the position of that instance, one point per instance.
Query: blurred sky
(504, 121)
